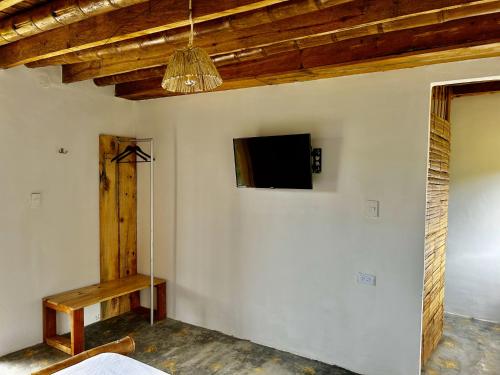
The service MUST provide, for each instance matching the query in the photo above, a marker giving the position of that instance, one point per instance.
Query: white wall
(473, 254)
(276, 267)
(56, 247)
(279, 267)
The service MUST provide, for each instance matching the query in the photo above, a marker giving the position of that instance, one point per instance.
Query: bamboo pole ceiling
(127, 43)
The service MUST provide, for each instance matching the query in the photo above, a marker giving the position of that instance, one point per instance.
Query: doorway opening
(460, 340)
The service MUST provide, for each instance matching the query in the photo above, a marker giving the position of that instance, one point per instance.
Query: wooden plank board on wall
(127, 223)
(108, 220)
(117, 220)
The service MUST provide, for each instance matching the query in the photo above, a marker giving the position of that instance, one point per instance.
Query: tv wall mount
(316, 160)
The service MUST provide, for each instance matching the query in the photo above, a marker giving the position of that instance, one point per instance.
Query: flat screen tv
(281, 162)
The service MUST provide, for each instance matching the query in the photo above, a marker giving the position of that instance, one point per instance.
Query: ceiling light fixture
(191, 69)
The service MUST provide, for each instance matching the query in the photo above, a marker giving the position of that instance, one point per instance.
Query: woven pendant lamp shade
(191, 70)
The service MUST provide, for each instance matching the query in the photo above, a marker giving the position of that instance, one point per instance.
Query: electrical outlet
(367, 279)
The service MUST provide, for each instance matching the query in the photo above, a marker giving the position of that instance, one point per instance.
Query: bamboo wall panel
(436, 225)
(117, 219)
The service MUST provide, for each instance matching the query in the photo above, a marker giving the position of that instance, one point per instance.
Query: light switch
(36, 200)
(372, 209)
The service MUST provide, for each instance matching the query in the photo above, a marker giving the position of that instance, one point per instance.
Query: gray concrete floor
(468, 347)
(177, 348)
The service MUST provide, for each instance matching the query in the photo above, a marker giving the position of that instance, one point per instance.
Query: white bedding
(110, 364)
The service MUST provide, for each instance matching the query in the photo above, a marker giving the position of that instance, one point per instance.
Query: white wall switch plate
(367, 279)
(372, 209)
(36, 200)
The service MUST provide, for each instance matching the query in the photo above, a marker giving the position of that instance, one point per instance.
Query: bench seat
(74, 301)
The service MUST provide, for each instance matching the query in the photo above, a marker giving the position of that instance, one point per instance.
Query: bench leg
(161, 301)
(49, 322)
(77, 332)
(135, 300)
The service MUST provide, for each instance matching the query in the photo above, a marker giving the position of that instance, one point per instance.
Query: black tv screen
(274, 162)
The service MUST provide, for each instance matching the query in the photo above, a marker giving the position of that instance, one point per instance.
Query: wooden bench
(74, 301)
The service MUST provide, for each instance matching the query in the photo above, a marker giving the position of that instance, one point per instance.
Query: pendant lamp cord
(191, 34)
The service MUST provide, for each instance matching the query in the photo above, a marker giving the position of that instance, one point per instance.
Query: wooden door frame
(437, 199)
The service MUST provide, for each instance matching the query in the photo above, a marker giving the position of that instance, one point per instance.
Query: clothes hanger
(140, 151)
(128, 151)
(122, 155)
(132, 150)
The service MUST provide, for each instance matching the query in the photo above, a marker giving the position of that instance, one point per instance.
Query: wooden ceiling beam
(151, 88)
(477, 37)
(52, 15)
(286, 34)
(241, 56)
(476, 88)
(233, 78)
(136, 75)
(4, 4)
(122, 24)
(143, 90)
(206, 32)
(279, 62)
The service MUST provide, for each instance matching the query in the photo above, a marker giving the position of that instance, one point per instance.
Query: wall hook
(62, 151)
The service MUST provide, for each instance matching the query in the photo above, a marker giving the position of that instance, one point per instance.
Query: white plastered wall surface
(473, 254)
(279, 267)
(55, 247)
